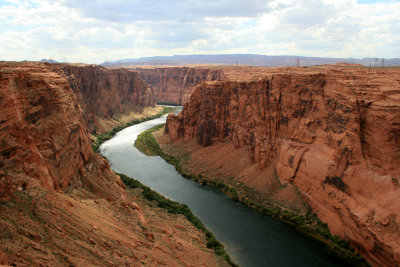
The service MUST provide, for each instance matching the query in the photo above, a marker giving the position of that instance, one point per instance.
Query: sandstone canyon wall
(45, 141)
(173, 85)
(333, 132)
(60, 204)
(103, 92)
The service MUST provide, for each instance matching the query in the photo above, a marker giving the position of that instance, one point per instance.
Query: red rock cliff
(333, 133)
(103, 92)
(44, 139)
(175, 84)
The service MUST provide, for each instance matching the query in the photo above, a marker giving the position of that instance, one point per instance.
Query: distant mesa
(249, 59)
(48, 60)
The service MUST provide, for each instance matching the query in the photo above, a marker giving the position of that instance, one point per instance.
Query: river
(250, 238)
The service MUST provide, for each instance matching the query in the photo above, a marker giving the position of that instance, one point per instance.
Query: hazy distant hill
(248, 59)
(48, 60)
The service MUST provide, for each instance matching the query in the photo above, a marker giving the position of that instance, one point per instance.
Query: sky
(97, 31)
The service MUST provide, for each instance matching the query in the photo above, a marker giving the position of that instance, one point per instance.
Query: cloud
(305, 14)
(92, 31)
(160, 10)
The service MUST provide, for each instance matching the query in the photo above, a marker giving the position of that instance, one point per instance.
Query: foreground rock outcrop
(104, 93)
(333, 132)
(173, 85)
(60, 204)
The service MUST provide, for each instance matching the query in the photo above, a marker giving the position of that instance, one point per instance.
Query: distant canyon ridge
(174, 85)
(249, 60)
(174, 77)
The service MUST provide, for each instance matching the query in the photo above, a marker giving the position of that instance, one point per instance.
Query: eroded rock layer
(333, 132)
(44, 141)
(103, 92)
(173, 85)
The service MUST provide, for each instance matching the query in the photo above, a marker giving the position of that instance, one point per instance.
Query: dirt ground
(46, 228)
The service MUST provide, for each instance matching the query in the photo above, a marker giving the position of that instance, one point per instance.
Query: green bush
(147, 144)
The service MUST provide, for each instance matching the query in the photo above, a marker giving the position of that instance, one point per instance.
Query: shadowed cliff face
(103, 92)
(334, 133)
(174, 85)
(44, 141)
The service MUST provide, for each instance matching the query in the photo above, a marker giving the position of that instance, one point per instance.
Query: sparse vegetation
(101, 138)
(177, 208)
(308, 224)
(337, 182)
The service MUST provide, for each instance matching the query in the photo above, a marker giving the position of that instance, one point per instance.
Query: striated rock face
(174, 85)
(103, 92)
(44, 140)
(332, 132)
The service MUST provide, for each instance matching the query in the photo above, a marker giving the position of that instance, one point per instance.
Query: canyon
(60, 204)
(108, 97)
(174, 85)
(325, 138)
